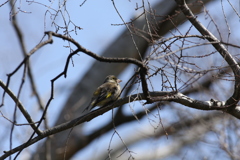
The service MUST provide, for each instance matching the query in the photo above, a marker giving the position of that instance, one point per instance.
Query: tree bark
(123, 46)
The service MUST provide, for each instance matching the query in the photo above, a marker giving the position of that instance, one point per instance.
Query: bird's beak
(119, 80)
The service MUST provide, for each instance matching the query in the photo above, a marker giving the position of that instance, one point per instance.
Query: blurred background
(145, 30)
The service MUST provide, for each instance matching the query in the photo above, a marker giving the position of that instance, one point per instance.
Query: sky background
(97, 19)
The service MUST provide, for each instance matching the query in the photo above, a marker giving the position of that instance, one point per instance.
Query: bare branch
(97, 57)
(21, 107)
(143, 70)
(156, 97)
(170, 67)
(22, 124)
(24, 51)
(233, 100)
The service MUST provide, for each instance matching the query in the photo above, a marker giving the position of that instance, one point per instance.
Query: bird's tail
(87, 109)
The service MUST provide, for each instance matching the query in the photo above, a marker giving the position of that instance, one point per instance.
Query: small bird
(108, 92)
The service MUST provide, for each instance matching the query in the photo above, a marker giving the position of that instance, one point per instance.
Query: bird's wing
(103, 92)
(98, 96)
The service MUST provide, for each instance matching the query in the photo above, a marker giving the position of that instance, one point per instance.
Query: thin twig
(156, 97)
(21, 107)
(234, 99)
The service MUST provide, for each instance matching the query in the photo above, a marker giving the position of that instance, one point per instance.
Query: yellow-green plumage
(108, 95)
(108, 92)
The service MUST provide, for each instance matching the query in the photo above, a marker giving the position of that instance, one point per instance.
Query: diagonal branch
(24, 51)
(155, 97)
(21, 107)
(24, 61)
(143, 67)
(233, 100)
(97, 57)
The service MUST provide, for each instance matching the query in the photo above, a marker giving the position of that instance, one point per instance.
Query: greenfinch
(106, 93)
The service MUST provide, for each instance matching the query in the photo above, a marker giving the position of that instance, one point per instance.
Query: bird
(106, 93)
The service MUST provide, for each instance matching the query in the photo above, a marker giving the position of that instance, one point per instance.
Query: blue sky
(96, 19)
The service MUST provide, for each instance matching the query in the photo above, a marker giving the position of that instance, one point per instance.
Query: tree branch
(21, 107)
(97, 57)
(233, 100)
(143, 70)
(156, 97)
